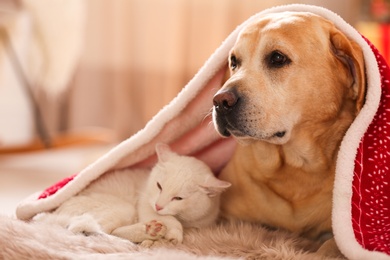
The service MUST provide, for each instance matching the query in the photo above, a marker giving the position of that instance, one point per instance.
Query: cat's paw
(147, 243)
(175, 236)
(84, 224)
(153, 243)
(155, 229)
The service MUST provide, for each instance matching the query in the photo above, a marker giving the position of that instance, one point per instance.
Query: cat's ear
(214, 186)
(163, 151)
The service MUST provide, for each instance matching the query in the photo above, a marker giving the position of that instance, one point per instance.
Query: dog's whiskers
(207, 115)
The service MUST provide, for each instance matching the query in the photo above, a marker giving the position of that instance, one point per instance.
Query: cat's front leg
(144, 233)
(175, 236)
(146, 213)
(174, 229)
(174, 232)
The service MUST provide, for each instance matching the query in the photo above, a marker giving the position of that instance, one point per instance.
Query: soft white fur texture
(342, 225)
(229, 241)
(123, 203)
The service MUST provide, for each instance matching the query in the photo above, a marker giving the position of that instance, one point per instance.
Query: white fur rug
(22, 240)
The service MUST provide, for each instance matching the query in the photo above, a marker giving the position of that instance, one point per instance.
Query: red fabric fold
(371, 183)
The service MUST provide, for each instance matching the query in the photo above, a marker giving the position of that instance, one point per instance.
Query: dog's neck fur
(305, 149)
(276, 167)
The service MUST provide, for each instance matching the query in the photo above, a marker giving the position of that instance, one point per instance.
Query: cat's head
(183, 186)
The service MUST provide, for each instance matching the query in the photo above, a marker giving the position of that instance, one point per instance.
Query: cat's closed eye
(159, 186)
(177, 198)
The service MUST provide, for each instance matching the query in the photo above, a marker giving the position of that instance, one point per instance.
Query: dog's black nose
(225, 101)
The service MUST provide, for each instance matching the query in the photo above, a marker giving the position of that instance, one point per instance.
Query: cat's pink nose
(158, 208)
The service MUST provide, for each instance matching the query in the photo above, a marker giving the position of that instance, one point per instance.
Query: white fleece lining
(341, 216)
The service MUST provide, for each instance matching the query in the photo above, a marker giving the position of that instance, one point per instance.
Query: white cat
(143, 206)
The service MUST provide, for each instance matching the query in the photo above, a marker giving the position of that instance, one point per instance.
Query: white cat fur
(123, 203)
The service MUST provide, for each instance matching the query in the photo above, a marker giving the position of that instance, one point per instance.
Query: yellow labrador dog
(296, 84)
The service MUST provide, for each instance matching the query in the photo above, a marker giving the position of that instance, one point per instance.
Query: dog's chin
(246, 135)
(245, 138)
(272, 138)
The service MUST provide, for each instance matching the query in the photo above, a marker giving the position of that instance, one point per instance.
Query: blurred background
(76, 74)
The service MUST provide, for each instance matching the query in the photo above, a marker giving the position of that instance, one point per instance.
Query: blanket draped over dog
(361, 201)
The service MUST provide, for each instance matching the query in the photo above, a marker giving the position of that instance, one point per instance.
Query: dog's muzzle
(225, 103)
(230, 117)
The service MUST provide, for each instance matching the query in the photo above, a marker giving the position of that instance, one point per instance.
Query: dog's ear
(351, 55)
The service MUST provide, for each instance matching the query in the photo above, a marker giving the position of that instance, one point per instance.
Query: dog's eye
(233, 62)
(277, 59)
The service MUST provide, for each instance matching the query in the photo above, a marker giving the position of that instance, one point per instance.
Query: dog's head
(287, 71)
